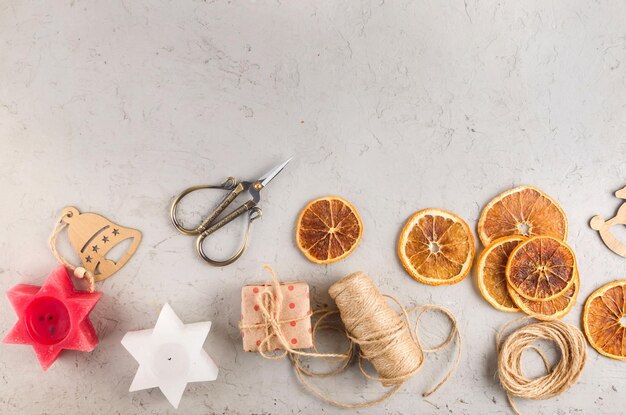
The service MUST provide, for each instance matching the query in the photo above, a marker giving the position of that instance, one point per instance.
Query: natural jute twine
(569, 341)
(383, 335)
(79, 272)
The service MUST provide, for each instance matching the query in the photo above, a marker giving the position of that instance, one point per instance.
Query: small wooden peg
(603, 227)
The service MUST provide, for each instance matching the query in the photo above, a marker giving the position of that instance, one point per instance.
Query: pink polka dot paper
(296, 305)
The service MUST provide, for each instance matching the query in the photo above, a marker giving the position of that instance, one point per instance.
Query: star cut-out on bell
(170, 355)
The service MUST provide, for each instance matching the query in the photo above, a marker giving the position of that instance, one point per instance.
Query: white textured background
(116, 106)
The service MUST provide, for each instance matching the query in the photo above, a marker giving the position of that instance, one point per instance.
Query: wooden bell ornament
(93, 237)
(604, 226)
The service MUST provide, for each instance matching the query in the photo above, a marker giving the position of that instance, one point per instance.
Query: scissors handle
(231, 184)
(254, 213)
(232, 195)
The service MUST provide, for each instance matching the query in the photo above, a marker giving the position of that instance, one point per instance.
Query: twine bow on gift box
(270, 305)
(383, 336)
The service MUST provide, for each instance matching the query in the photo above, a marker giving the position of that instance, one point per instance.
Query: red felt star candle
(53, 317)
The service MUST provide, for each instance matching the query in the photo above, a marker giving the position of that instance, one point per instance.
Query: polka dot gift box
(290, 307)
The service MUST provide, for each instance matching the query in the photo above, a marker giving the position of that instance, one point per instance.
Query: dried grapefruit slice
(541, 268)
(550, 309)
(328, 229)
(436, 247)
(602, 320)
(524, 211)
(491, 269)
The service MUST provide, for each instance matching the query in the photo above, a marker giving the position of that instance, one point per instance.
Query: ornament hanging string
(567, 338)
(383, 336)
(79, 272)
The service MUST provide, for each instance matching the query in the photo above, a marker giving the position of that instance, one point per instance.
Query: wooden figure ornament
(92, 237)
(603, 227)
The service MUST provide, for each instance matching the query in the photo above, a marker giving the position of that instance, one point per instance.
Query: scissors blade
(267, 177)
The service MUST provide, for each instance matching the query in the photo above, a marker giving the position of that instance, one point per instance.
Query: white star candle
(170, 355)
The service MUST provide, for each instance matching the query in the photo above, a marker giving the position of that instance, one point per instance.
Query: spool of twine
(377, 329)
(383, 335)
(568, 339)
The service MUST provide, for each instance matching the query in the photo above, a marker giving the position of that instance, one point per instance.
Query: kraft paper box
(295, 314)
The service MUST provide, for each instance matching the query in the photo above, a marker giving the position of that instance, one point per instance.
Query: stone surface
(114, 107)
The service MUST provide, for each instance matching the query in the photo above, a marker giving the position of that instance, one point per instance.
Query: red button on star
(53, 317)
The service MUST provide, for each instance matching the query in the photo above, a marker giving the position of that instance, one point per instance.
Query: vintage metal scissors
(211, 223)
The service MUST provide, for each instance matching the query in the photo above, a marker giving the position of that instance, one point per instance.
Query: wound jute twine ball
(568, 339)
(373, 328)
(78, 272)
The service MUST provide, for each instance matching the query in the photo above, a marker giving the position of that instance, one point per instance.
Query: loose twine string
(383, 336)
(79, 272)
(567, 338)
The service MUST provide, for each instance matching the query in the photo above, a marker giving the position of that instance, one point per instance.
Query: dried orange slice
(328, 229)
(436, 247)
(541, 268)
(491, 269)
(524, 211)
(550, 309)
(602, 320)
